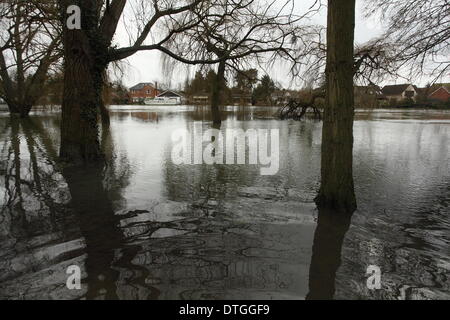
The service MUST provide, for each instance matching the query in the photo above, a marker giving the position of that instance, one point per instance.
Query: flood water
(144, 228)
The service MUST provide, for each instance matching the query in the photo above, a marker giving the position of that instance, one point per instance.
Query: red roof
(440, 94)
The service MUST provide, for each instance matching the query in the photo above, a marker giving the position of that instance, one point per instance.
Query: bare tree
(418, 34)
(89, 51)
(29, 43)
(374, 60)
(238, 34)
(157, 26)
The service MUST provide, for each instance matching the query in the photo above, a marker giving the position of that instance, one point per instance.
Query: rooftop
(141, 85)
(396, 89)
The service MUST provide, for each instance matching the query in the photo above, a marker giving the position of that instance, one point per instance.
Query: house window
(409, 94)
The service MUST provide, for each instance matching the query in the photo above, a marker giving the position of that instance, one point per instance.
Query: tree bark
(216, 94)
(337, 186)
(104, 113)
(85, 63)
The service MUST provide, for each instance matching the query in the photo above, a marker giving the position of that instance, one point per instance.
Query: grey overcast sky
(147, 66)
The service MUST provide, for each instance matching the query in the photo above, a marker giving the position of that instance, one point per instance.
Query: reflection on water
(144, 228)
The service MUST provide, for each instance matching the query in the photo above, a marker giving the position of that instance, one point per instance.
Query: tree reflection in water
(98, 226)
(195, 247)
(327, 249)
(39, 182)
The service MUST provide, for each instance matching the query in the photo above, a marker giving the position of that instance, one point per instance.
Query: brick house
(440, 94)
(141, 91)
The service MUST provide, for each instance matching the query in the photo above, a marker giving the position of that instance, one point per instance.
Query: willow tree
(236, 35)
(417, 33)
(29, 47)
(337, 186)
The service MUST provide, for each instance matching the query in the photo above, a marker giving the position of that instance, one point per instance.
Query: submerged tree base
(22, 111)
(76, 155)
(343, 203)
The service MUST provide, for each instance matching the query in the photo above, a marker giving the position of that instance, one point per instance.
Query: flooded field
(145, 228)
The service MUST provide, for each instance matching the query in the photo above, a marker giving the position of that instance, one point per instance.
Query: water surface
(144, 228)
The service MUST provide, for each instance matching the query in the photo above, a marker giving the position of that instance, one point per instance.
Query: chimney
(156, 88)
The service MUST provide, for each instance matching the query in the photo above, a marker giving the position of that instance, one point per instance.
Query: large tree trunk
(85, 64)
(79, 126)
(337, 187)
(218, 85)
(104, 112)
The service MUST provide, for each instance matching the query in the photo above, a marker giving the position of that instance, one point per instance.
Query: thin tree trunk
(216, 93)
(337, 187)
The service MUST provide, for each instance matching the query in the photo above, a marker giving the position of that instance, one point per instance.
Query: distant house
(242, 99)
(282, 97)
(200, 99)
(441, 94)
(141, 91)
(368, 96)
(400, 92)
(372, 90)
(171, 94)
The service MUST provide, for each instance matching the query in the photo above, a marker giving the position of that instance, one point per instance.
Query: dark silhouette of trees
(117, 93)
(245, 80)
(203, 84)
(264, 90)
